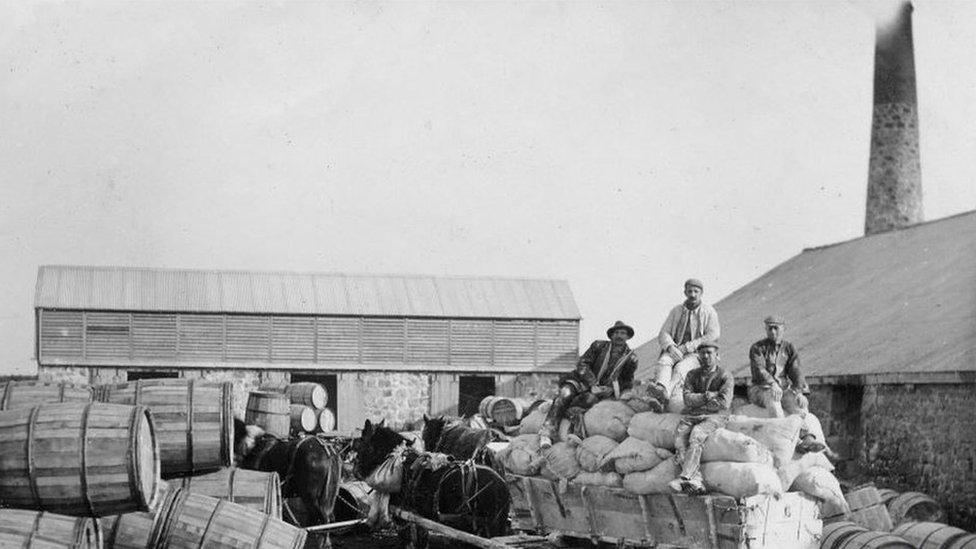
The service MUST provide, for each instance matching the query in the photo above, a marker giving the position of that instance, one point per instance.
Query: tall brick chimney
(894, 173)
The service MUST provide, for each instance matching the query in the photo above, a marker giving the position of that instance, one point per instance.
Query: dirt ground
(387, 539)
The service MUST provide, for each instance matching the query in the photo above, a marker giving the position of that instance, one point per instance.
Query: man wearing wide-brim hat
(605, 370)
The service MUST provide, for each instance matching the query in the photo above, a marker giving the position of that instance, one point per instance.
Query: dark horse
(454, 437)
(309, 468)
(462, 495)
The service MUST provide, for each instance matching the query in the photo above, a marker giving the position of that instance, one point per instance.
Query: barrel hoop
(83, 470)
(230, 484)
(206, 529)
(31, 472)
(167, 515)
(264, 528)
(132, 463)
(227, 424)
(111, 535)
(189, 426)
(35, 528)
(6, 395)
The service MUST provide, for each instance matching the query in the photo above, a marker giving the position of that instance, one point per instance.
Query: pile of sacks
(635, 451)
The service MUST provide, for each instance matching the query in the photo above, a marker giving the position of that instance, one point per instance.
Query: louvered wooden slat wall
(201, 337)
(106, 335)
(489, 344)
(427, 341)
(515, 343)
(248, 338)
(337, 339)
(153, 336)
(556, 344)
(383, 340)
(471, 342)
(292, 339)
(61, 334)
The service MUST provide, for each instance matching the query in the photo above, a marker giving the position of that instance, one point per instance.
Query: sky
(622, 146)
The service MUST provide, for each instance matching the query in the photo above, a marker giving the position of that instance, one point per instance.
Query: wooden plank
(350, 413)
(447, 531)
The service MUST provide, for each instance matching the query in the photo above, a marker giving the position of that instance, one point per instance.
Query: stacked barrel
(83, 467)
(290, 408)
(882, 517)
(205, 502)
(67, 461)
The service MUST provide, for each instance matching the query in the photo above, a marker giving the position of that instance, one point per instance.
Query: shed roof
(890, 304)
(142, 289)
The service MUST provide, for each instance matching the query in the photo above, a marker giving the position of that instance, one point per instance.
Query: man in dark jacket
(605, 370)
(708, 397)
(779, 386)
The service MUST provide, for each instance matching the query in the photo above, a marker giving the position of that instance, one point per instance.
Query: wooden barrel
(327, 420)
(270, 411)
(505, 411)
(914, 506)
(867, 509)
(129, 531)
(352, 501)
(194, 420)
(135, 530)
(886, 495)
(303, 418)
(195, 520)
(27, 394)
(835, 533)
(964, 542)
(256, 490)
(42, 530)
(78, 459)
(875, 540)
(928, 535)
(308, 394)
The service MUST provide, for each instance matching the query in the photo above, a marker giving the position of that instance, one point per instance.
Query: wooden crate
(617, 516)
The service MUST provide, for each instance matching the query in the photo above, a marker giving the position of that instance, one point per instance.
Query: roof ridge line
(897, 229)
(303, 273)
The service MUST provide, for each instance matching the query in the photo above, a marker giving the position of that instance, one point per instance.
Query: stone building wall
(908, 438)
(400, 398)
(923, 438)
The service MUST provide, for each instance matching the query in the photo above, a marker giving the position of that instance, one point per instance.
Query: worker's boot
(810, 444)
(657, 393)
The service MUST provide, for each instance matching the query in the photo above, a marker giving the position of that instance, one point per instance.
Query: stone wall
(400, 398)
(908, 438)
(922, 438)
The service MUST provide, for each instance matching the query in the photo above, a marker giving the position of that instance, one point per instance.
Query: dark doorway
(135, 375)
(471, 389)
(329, 381)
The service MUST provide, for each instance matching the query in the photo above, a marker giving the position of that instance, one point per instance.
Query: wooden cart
(790, 521)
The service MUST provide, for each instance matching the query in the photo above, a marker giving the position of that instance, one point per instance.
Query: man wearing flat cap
(689, 325)
(778, 384)
(707, 392)
(605, 370)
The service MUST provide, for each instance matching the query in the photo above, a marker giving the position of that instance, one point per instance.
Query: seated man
(689, 325)
(708, 396)
(605, 370)
(778, 385)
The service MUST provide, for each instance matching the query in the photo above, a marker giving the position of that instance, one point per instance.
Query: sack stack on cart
(84, 469)
(635, 451)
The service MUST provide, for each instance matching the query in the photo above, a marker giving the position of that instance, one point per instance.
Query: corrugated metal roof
(897, 302)
(139, 289)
